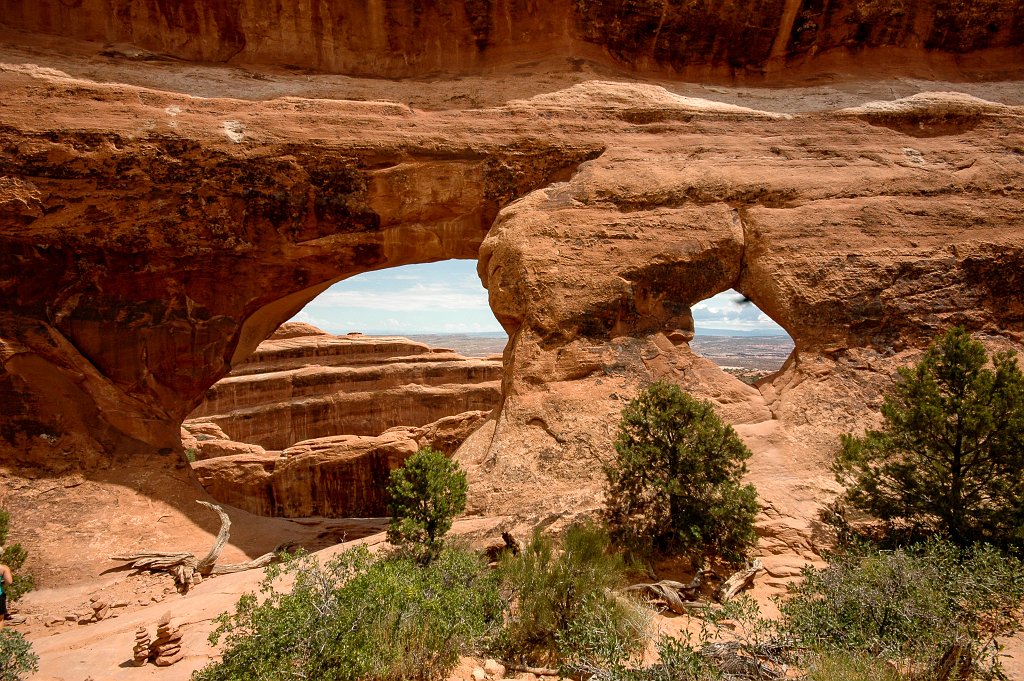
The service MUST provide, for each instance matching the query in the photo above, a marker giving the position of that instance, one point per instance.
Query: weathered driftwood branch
(673, 594)
(739, 581)
(682, 598)
(185, 567)
(261, 562)
(737, 661)
(207, 563)
(677, 596)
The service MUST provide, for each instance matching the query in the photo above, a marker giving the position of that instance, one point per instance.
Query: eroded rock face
(339, 476)
(415, 38)
(863, 244)
(205, 247)
(298, 386)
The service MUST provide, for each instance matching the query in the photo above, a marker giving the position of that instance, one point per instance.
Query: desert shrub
(427, 492)
(14, 557)
(929, 613)
(16, 656)
(923, 609)
(563, 610)
(838, 665)
(674, 486)
(678, 660)
(735, 643)
(950, 453)
(358, 618)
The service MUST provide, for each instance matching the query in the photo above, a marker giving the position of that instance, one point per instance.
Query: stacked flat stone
(166, 649)
(140, 653)
(100, 608)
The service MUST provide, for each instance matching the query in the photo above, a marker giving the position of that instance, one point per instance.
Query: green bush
(360, 619)
(14, 557)
(563, 610)
(675, 484)
(426, 495)
(837, 665)
(950, 453)
(930, 613)
(921, 609)
(16, 656)
(678, 660)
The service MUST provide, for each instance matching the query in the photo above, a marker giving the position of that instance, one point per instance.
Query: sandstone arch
(141, 258)
(165, 260)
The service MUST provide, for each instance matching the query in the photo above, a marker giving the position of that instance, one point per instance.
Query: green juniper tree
(426, 495)
(950, 454)
(674, 486)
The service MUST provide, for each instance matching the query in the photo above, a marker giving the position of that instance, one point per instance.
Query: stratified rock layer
(303, 385)
(340, 476)
(410, 37)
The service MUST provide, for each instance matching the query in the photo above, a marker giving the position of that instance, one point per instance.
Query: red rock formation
(297, 387)
(340, 476)
(861, 255)
(413, 38)
(113, 350)
(150, 240)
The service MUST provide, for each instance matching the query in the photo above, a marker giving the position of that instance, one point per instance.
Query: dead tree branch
(185, 567)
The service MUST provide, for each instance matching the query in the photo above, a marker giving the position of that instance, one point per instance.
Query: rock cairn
(100, 608)
(163, 651)
(140, 653)
(166, 649)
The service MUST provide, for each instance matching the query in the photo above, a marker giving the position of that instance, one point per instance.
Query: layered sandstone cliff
(416, 38)
(298, 387)
(312, 424)
(337, 477)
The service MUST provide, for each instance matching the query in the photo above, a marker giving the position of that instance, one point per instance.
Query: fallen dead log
(683, 598)
(672, 594)
(261, 562)
(738, 581)
(678, 597)
(185, 567)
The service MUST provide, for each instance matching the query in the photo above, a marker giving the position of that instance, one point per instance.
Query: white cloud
(439, 296)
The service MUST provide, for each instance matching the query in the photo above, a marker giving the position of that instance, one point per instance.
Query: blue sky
(447, 297)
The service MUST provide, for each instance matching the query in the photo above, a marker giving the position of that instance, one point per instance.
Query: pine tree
(950, 455)
(427, 492)
(675, 485)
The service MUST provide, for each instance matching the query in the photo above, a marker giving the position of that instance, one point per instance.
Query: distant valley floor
(755, 353)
